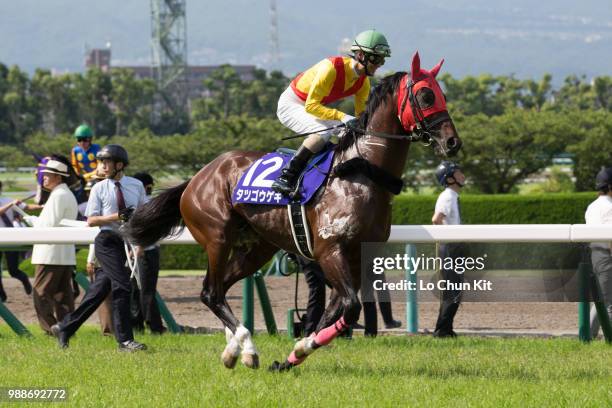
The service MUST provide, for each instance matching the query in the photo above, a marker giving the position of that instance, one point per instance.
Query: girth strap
(300, 230)
(377, 174)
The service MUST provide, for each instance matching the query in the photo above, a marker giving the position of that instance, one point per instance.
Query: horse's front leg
(337, 271)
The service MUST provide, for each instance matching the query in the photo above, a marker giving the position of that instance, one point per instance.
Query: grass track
(387, 371)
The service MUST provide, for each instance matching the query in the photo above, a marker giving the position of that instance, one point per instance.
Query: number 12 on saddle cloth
(255, 185)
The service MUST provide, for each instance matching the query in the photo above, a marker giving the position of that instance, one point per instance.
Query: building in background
(101, 58)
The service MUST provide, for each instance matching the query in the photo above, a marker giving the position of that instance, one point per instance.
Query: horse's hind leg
(213, 296)
(338, 272)
(242, 263)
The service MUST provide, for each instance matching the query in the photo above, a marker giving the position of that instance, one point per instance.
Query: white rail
(399, 233)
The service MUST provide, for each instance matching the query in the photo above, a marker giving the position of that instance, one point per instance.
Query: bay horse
(353, 206)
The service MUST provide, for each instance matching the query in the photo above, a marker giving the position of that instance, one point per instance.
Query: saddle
(255, 187)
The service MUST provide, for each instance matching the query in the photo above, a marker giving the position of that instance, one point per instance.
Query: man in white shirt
(53, 295)
(447, 212)
(111, 203)
(600, 212)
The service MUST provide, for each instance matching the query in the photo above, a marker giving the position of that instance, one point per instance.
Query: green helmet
(83, 132)
(371, 42)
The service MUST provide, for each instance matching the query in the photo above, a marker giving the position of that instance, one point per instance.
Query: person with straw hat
(53, 295)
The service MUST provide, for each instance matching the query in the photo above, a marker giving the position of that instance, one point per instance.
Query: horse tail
(157, 219)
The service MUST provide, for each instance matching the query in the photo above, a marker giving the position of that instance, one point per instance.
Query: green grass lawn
(185, 370)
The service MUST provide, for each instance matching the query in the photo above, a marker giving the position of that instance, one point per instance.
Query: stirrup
(287, 189)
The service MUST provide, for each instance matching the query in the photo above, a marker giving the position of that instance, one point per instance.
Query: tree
(45, 144)
(501, 151)
(56, 101)
(19, 104)
(472, 95)
(262, 93)
(539, 93)
(225, 88)
(602, 87)
(93, 95)
(591, 145)
(131, 98)
(5, 126)
(230, 95)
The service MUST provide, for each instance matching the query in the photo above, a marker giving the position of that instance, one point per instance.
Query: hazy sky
(475, 36)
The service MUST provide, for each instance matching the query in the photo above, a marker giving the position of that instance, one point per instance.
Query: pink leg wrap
(326, 335)
(322, 338)
(294, 360)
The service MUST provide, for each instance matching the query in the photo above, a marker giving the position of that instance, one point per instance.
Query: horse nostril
(451, 143)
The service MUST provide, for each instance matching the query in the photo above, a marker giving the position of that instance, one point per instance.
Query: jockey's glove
(126, 213)
(347, 118)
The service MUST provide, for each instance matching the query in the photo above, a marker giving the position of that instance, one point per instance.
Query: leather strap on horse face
(421, 131)
(422, 126)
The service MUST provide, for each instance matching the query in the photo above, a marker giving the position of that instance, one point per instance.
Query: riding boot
(286, 182)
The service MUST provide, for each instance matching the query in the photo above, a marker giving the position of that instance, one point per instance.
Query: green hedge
(183, 257)
(172, 257)
(509, 209)
(557, 208)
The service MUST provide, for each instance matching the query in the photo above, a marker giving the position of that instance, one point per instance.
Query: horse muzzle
(453, 145)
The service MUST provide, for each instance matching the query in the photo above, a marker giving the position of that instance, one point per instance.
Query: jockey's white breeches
(292, 114)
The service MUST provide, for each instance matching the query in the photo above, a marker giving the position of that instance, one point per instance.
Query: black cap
(444, 170)
(113, 152)
(603, 178)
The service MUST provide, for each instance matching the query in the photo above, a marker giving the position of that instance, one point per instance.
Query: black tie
(120, 198)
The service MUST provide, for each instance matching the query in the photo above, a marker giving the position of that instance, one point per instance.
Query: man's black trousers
(114, 278)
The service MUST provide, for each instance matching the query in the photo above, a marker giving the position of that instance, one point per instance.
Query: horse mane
(377, 96)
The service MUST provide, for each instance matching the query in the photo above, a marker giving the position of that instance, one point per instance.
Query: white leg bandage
(243, 335)
(233, 344)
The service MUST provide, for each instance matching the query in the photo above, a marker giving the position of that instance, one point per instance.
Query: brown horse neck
(388, 154)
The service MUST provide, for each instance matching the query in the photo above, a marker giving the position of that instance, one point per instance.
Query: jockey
(83, 155)
(303, 106)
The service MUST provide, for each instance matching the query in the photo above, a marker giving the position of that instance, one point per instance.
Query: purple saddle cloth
(255, 185)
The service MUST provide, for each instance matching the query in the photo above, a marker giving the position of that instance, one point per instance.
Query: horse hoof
(277, 367)
(300, 348)
(250, 360)
(229, 360)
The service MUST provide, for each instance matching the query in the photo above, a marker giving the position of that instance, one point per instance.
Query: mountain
(518, 37)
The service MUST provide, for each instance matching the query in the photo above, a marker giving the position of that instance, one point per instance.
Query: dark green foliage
(511, 128)
(508, 209)
(499, 209)
(183, 257)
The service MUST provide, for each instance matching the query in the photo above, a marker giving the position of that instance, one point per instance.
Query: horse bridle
(422, 131)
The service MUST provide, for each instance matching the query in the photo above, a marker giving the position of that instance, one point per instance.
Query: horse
(353, 206)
